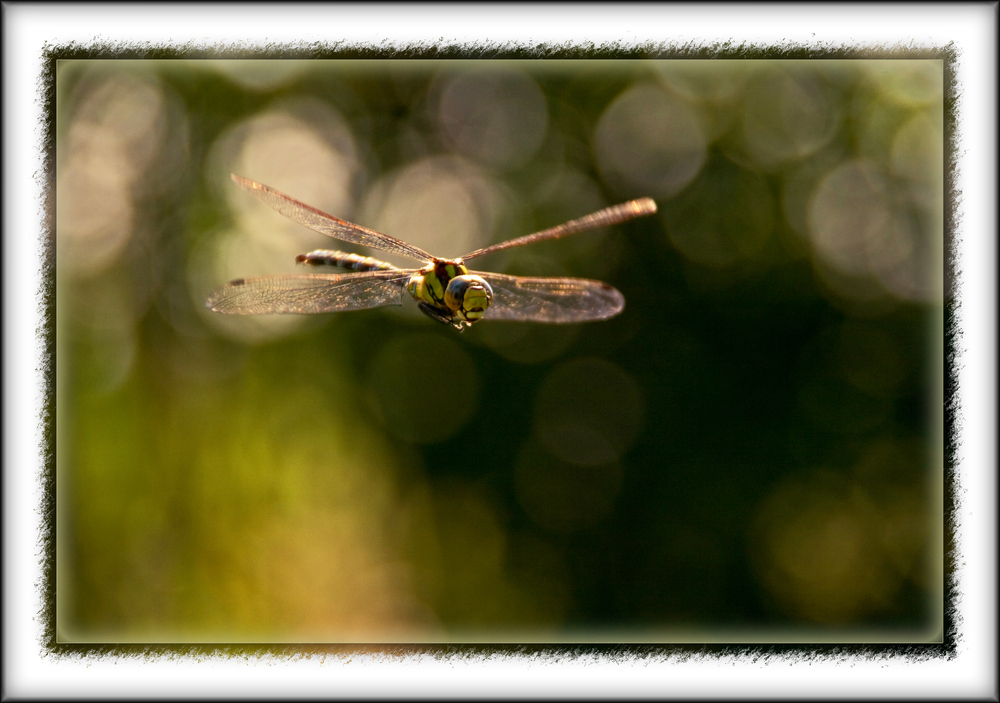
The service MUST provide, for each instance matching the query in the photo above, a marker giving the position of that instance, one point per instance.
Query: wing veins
(310, 293)
(553, 300)
(327, 224)
(602, 218)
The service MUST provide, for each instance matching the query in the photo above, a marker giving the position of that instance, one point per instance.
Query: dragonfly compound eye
(468, 296)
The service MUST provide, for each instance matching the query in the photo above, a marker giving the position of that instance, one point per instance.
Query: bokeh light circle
(649, 143)
(721, 221)
(788, 115)
(446, 205)
(831, 547)
(588, 412)
(498, 118)
(117, 130)
(424, 387)
(565, 496)
(857, 227)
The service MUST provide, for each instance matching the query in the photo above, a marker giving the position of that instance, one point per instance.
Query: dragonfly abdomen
(344, 260)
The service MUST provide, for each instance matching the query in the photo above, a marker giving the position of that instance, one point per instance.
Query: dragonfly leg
(441, 316)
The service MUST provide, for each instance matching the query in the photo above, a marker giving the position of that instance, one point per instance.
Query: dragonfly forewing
(310, 293)
(602, 218)
(329, 225)
(552, 300)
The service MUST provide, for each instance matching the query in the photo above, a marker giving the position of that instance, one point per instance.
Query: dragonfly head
(445, 291)
(468, 297)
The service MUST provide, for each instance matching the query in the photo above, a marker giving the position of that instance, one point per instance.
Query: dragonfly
(444, 289)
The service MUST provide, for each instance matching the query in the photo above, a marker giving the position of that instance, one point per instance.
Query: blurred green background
(751, 450)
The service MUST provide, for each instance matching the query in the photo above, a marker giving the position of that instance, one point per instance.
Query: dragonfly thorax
(447, 292)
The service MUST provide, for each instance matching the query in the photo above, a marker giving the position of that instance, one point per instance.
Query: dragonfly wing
(310, 293)
(329, 225)
(556, 300)
(602, 218)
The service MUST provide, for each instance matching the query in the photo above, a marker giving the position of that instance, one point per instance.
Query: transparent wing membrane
(310, 293)
(602, 218)
(553, 300)
(375, 283)
(328, 224)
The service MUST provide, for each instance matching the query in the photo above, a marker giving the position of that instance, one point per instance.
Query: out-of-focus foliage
(753, 445)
